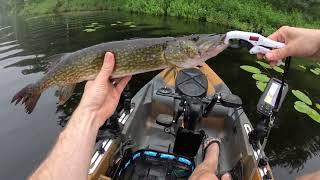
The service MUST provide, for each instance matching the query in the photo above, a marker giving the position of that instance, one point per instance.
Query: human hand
(100, 96)
(300, 42)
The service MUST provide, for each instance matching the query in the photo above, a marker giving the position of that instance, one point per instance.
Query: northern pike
(131, 57)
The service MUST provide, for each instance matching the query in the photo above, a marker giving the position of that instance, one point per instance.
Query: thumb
(107, 68)
(277, 54)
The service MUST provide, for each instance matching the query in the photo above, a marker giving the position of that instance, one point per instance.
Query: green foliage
(261, 77)
(154, 7)
(301, 107)
(93, 27)
(301, 96)
(261, 85)
(254, 15)
(263, 64)
(250, 69)
(126, 24)
(302, 67)
(315, 71)
(278, 69)
(89, 30)
(304, 108)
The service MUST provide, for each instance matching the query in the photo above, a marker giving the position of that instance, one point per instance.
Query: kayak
(159, 132)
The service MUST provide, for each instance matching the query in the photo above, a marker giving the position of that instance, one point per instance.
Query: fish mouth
(210, 42)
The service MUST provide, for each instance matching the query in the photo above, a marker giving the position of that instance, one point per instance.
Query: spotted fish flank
(132, 57)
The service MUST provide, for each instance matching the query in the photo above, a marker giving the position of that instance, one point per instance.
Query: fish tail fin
(29, 96)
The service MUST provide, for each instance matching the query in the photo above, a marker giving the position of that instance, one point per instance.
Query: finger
(226, 176)
(281, 34)
(275, 36)
(122, 84)
(106, 69)
(277, 54)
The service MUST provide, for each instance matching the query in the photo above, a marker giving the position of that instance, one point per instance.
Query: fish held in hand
(131, 57)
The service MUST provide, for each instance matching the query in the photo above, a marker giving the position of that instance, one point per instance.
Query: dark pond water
(25, 43)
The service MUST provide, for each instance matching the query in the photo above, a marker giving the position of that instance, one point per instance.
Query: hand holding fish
(100, 96)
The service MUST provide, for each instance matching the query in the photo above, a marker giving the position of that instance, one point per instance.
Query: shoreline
(256, 15)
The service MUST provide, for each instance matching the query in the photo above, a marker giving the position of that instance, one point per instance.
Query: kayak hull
(236, 154)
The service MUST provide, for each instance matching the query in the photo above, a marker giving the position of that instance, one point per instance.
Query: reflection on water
(25, 45)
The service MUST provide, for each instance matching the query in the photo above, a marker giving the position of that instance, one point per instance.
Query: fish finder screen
(272, 94)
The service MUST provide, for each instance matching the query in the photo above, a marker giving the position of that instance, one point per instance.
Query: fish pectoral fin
(64, 93)
(53, 60)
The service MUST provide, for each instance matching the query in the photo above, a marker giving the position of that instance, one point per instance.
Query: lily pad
(304, 108)
(263, 64)
(313, 114)
(301, 107)
(251, 69)
(314, 71)
(119, 22)
(89, 30)
(261, 85)
(94, 23)
(278, 69)
(128, 23)
(261, 77)
(113, 24)
(318, 106)
(132, 26)
(301, 96)
(302, 67)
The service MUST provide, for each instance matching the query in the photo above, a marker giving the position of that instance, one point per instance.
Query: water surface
(25, 44)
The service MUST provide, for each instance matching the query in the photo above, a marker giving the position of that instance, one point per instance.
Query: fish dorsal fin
(53, 60)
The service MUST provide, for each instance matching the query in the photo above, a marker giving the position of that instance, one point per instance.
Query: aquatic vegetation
(304, 108)
(302, 67)
(301, 107)
(263, 64)
(129, 24)
(301, 96)
(93, 27)
(250, 69)
(261, 77)
(315, 71)
(278, 69)
(89, 30)
(261, 85)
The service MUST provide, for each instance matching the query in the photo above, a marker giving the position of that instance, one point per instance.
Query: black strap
(284, 78)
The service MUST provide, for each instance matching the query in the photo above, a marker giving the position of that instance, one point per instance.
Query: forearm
(70, 157)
